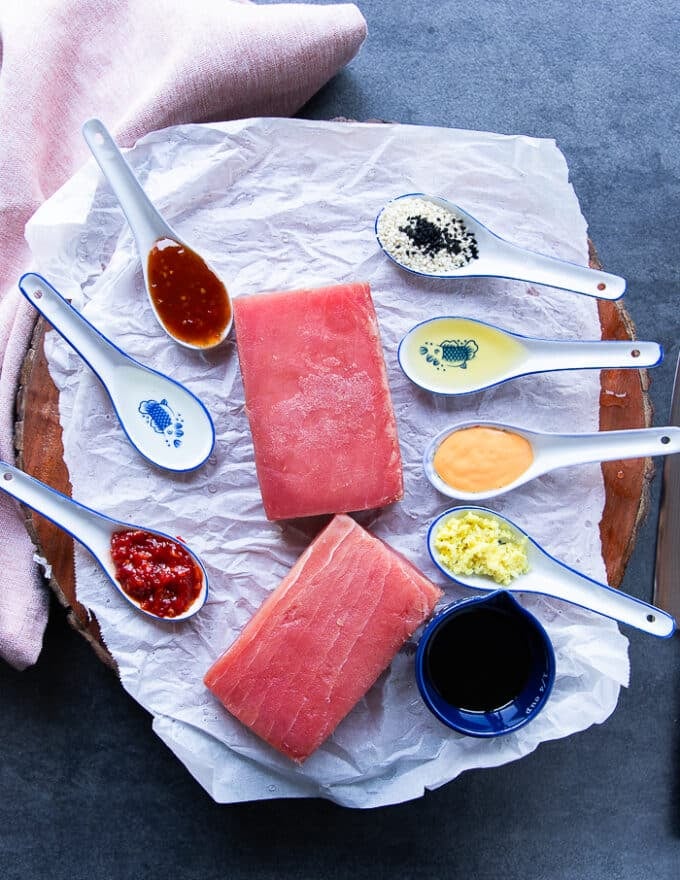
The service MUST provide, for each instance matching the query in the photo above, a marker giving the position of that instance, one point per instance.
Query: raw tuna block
(322, 638)
(318, 401)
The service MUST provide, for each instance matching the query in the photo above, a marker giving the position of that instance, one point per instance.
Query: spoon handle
(613, 445)
(580, 590)
(146, 223)
(549, 354)
(553, 272)
(88, 527)
(94, 348)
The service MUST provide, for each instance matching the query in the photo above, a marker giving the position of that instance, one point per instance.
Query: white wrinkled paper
(280, 204)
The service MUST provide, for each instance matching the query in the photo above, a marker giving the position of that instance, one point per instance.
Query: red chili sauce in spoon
(156, 572)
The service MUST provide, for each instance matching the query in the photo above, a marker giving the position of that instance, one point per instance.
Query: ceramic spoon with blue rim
(457, 355)
(162, 419)
(550, 577)
(492, 256)
(95, 532)
(551, 451)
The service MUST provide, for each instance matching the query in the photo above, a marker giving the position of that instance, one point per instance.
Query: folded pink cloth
(140, 65)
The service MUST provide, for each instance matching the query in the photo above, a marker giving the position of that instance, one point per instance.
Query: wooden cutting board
(624, 403)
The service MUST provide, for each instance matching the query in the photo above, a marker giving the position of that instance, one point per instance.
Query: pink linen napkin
(140, 65)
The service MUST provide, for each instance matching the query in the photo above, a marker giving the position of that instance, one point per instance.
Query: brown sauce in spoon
(191, 301)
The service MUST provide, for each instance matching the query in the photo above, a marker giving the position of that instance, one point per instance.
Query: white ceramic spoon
(162, 419)
(93, 530)
(456, 355)
(147, 225)
(550, 577)
(552, 451)
(499, 258)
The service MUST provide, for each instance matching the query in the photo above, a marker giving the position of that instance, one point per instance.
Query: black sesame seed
(435, 236)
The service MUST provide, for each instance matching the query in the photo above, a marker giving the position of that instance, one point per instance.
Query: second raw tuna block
(317, 400)
(322, 638)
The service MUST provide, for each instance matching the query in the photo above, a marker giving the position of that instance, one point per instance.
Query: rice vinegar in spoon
(461, 354)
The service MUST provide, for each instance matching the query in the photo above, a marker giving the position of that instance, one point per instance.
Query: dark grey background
(88, 791)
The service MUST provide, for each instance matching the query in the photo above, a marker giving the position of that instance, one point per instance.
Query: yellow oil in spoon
(457, 355)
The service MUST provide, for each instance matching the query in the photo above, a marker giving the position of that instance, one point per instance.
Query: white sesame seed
(424, 236)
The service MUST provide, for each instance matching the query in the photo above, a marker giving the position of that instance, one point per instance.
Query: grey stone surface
(88, 791)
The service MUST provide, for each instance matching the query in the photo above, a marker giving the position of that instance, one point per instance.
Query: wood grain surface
(624, 403)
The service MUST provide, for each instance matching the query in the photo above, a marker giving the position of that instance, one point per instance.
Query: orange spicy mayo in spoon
(478, 459)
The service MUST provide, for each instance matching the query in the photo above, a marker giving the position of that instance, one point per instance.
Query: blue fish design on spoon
(162, 418)
(449, 353)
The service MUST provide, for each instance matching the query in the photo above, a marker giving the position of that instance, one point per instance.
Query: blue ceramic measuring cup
(485, 666)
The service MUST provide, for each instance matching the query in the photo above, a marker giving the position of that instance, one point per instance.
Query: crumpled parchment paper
(278, 204)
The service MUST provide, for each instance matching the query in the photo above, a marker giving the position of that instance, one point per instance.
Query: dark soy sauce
(480, 658)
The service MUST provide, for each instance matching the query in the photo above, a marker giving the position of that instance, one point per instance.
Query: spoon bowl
(456, 355)
(552, 451)
(414, 223)
(550, 577)
(188, 299)
(95, 532)
(161, 418)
